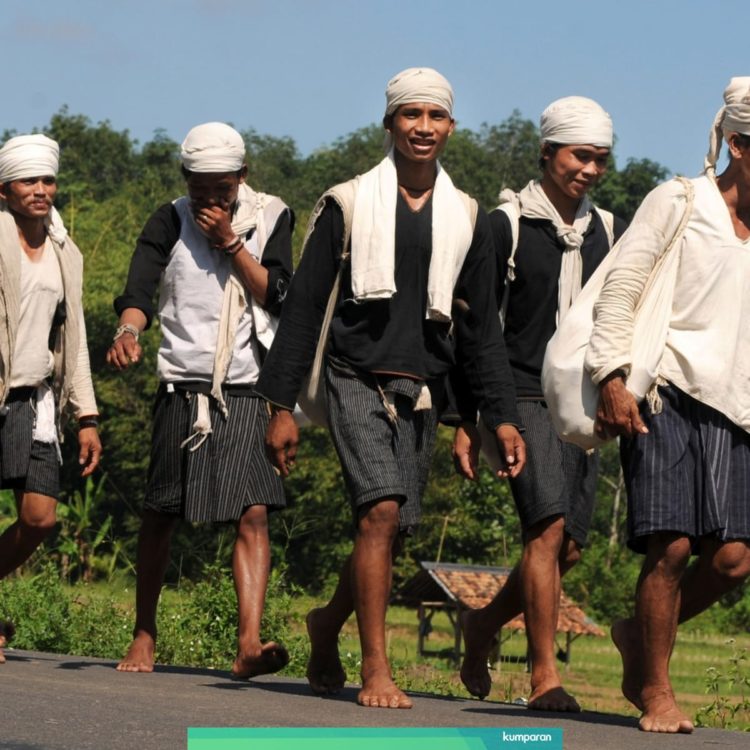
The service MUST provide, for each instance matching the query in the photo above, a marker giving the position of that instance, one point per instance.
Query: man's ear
(242, 174)
(4, 190)
(388, 123)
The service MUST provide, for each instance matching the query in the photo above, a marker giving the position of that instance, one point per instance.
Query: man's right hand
(124, 352)
(282, 438)
(617, 413)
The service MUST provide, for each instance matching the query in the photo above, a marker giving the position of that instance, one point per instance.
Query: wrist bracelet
(126, 328)
(88, 422)
(234, 248)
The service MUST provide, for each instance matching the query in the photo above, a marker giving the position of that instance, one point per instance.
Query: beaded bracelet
(88, 422)
(233, 249)
(126, 328)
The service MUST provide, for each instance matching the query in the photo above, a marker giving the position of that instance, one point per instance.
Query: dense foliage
(109, 184)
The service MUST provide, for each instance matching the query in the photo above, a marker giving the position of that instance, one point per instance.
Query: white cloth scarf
(533, 203)
(733, 117)
(374, 239)
(576, 120)
(29, 156)
(213, 147)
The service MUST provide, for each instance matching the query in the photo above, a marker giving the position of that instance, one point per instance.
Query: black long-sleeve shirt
(393, 335)
(531, 318)
(158, 238)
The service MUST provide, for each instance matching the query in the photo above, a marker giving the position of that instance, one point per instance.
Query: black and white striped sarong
(225, 475)
(380, 457)
(689, 475)
(26, 464)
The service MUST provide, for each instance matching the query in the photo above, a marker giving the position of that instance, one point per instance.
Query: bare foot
(545, 698)
(380, 691)
(7, 629)
(474, 673)
(270, 658)
(661, 714)
(624, 636)
(325, 672)
(140, 656)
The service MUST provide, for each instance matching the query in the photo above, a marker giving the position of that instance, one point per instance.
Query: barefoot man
(45, 376)
(221, 259)
(416, 242)
(686, 460)
(561, 238)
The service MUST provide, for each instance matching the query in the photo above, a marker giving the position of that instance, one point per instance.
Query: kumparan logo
(518, 736)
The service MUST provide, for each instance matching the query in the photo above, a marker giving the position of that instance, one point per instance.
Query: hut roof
(473, 586)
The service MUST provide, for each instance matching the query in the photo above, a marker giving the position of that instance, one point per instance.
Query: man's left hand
(90, 450)
(512, 450)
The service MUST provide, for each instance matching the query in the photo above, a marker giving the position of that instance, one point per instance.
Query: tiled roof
(473, 586)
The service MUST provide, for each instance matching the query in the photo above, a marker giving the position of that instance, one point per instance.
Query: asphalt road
(52, 702)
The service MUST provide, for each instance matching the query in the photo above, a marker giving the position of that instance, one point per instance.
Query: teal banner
(439, 738)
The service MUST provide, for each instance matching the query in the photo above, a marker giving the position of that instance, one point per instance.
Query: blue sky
(316, 70)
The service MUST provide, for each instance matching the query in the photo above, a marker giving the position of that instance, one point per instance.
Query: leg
(481, 626)
(657, 613)
(37, 515)
(540, 581)
(325, 672)
(720, 568)
(151, 565)
(371, 576)
(251, 564)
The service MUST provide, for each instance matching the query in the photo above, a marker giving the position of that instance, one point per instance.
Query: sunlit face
(575, 169)
(208, 189)
(420, 130)
(30, 197)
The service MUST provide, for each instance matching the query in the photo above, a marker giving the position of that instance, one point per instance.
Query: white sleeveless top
(190, 302)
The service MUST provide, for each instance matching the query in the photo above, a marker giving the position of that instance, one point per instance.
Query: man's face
(31, 197)
(420, 130)
(576, 169)
(207, 189)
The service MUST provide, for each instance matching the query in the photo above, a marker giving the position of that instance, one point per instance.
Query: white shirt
(41, 292)
(707, 353)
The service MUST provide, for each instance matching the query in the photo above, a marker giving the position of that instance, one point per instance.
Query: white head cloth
(213, 147)
(418, 85)
(29, 156)
(733, 117)
(576, 120)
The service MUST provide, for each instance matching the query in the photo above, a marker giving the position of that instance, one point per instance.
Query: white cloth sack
(571, 395)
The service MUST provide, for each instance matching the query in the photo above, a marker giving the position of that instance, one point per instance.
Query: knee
(548, 534)
(379, 519)
(669, 555)
(38, 522)
(254, 521)
(732, 562)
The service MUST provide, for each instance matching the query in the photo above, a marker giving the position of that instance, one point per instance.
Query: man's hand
(466, 445)
(89, 450)
(617, 413)
(124, 352)
(512, 449)
(282, 438)
(215, 222)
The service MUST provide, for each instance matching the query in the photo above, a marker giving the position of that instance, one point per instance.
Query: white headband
(29, 156)
(733, 117)
(418, 85)
(576, 120)
(213, 147)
